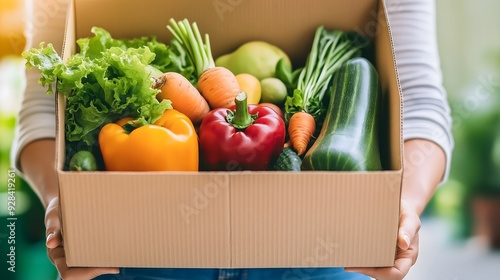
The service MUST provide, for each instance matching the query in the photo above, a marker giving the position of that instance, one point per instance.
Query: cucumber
(348, 139)
(288, 160)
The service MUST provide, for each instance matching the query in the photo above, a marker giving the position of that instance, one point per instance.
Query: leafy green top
(329, 51)
(106, 80)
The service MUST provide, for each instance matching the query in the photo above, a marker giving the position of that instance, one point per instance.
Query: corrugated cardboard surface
(290, 25)
(235, 219)
(149, 220)
(313, 219)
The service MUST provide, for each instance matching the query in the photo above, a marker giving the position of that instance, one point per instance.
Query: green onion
(189, 37)
(330, 49)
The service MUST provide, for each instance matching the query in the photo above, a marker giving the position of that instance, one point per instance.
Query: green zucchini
(288, 160)
(348, 139)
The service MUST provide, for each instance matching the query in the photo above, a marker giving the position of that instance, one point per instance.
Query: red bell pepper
(245, 137)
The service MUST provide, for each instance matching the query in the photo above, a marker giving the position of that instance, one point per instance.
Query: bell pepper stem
(131, 125)
(240, 118)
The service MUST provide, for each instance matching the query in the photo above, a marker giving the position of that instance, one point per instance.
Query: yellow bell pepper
(170, 144)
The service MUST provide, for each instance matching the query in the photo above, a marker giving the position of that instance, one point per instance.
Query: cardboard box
(235, 219)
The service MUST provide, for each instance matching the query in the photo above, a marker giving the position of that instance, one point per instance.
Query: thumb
(53, 239)
(52, 225)
(408, 228)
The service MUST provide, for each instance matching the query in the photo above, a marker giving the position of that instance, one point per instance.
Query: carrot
(309, 85)
(300, 130)
(218, 85)
(184, 96)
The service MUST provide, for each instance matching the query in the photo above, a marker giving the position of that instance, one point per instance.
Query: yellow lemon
(251, 85)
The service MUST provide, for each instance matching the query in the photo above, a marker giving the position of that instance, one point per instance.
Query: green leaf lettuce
(106, 80)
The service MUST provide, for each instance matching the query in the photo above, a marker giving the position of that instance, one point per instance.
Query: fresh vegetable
(273, 91)
(288, 160)
(274, 107)
(251, 85)
(170, 144)
(218, 85)
(287, 76)
(107, 80)
(348, 140)
(167, 58)
(257, 58)
(330, 49)
(184, 96)
(83, 161)
(301, 128)
(246, 137)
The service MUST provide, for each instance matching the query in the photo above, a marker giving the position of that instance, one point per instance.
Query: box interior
(231, 23)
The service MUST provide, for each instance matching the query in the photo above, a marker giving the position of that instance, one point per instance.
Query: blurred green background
(30, 252)
(469, 40)
(31, 258)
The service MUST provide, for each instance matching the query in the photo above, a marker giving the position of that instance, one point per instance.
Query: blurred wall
(469, 38)
(469, 44)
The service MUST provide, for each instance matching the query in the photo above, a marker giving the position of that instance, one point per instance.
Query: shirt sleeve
(36, 116)
(426, 112)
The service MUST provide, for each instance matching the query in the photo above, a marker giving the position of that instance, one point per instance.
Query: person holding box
(426, 132)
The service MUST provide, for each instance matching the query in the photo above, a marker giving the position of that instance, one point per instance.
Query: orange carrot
(300, 130)
(219, 87)
(184, 96)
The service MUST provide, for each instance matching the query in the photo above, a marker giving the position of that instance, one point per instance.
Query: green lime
(273, 90)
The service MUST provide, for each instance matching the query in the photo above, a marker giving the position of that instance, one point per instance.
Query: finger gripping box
(235, 219)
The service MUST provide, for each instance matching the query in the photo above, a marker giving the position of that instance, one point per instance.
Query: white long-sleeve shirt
(426, 113)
